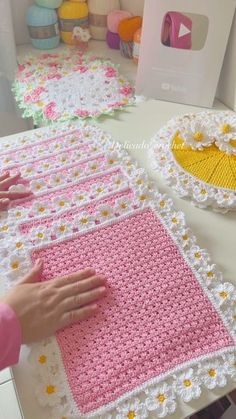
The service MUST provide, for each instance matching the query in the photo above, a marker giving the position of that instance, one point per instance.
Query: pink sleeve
(10, 337)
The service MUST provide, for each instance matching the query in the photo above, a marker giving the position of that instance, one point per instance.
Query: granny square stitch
(165, 330)
(69, 85)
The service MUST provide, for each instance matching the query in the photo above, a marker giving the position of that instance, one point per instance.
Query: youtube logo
(177, 31)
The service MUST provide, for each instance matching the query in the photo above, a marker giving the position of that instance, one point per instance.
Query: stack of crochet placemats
(166, 330)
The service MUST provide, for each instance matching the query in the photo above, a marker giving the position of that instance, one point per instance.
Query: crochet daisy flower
(209, 274)
(196, 134)
(225, 198)
(161, 400)
(224, 131)
(38, 185)
(50, 391)
(213, 375)
(118, 181)
(41, 208)
(105, 212)
(123, 204)
(84, 220)
(62, 228)
(80, 197)
(61, 202)
(133, 409)
(187, 386)
(224, 293)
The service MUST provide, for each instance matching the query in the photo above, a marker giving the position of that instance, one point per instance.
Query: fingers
(80, 300)
(35, 274)
(14, 195)
(4, 176)
(81, 286)
(4, 204)
(9, 181)
(80, 314)
(75, 277)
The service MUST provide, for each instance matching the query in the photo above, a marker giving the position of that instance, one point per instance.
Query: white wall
(133, 6)
(227, 84)
(19, 8)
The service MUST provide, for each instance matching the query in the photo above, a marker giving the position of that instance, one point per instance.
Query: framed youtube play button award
(182, 49)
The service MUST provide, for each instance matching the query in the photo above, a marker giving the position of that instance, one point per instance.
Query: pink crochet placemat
(165, 332)
(69, 85)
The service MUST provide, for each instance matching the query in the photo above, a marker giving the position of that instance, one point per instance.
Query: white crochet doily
(58, 87)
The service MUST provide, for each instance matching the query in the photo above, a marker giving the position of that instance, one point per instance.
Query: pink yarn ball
(114, 18)
(113, 40)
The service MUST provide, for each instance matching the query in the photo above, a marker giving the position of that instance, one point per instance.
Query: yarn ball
(113, 40)
(43, 27)
(137, 42)
(126, 49)
(49, 4)
(72, 14)
(128, 27)
(115, 17)
(98, 12)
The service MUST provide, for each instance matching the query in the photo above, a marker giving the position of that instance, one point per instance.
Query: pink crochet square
(155, 316)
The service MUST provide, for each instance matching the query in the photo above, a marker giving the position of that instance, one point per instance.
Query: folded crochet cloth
(59, 87)
(165, 332)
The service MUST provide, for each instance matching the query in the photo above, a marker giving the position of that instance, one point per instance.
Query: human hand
(6, 181)
(45, 307)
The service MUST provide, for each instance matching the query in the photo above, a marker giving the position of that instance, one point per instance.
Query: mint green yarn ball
(49, 4)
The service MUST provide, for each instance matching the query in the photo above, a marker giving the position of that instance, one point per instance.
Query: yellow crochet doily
(209, 165)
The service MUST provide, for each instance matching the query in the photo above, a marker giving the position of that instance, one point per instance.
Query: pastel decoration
(50, 4)
(43, 27)
(115, 17)
(72, 15)
(177, 31)
(126, 49)
(98, 12)
(70, 85)
(128, 27)
(113, 40)
(137, 42)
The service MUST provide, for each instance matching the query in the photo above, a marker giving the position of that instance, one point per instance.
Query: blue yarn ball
(43, 27)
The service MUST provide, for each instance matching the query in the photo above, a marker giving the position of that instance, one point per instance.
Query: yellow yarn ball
(71, 14)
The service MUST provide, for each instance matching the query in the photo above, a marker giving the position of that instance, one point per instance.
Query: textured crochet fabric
(71, 85)
(196, 154)
(165, 330)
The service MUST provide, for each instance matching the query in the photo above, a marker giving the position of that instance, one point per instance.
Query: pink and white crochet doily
(165, 332)
(70, 85)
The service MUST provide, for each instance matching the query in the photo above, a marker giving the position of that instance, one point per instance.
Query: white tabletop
(215, 232)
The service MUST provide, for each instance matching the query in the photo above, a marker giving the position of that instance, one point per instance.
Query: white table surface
(215, 232)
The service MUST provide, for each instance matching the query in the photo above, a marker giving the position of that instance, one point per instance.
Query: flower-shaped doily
(195, 154)
(65, 86)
